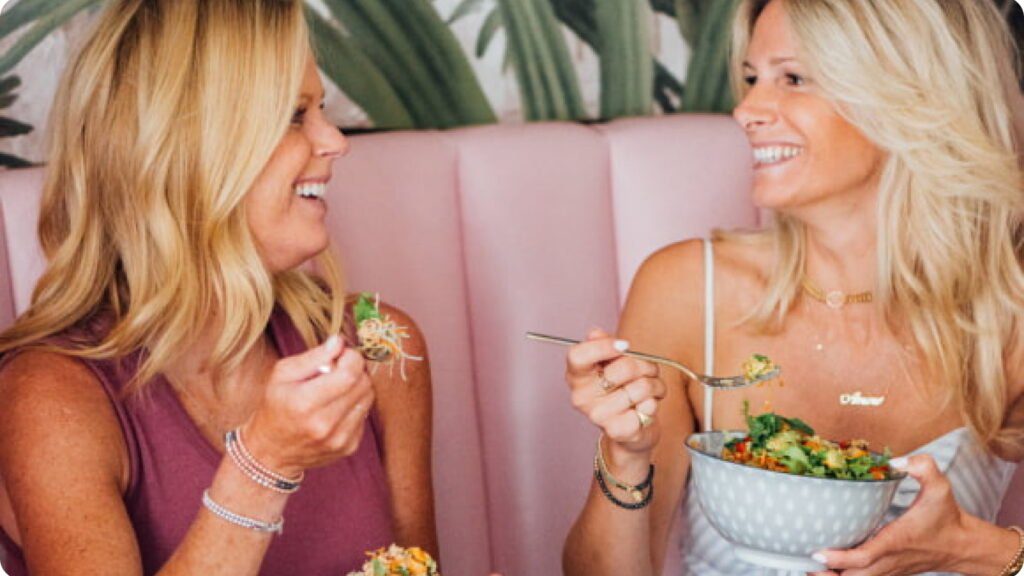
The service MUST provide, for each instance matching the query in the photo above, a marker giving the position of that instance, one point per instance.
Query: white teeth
(773, 154)
(311, 189)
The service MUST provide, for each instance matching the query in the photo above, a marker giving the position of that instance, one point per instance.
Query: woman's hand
(313, 409)
(617, 393)
(933, 535)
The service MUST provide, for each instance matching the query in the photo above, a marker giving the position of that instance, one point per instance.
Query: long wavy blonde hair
(928, 82)
(160, 127)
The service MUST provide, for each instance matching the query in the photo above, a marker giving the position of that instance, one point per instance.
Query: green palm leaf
(354, 74)
(47, 15)
(627, 70)
(419, 57)
(707, 77)
(547, 79)
(579, 16)
(9, 127)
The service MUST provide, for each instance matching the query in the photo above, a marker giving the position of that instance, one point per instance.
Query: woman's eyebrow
(774, 61)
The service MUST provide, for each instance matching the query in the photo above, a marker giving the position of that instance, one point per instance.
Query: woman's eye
(750, 80)
(795, 79)
(299, 115)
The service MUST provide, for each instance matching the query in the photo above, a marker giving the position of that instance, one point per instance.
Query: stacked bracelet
(239, 520)
(252, 468)
(1015, 566)
(604, 477)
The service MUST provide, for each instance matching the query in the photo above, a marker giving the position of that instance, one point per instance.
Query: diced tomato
(845, 444)
(878, 472)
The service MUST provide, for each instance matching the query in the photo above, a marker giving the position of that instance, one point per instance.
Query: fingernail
(332, 343)
(621, 345)
(899, 463)
(324, 368)
(819, 558)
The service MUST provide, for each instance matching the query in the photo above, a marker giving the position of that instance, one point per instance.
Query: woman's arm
(64, 463)
(663, 315)
(64, 466)
(406, 410)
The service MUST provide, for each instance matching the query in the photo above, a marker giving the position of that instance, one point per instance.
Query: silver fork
(728, 382)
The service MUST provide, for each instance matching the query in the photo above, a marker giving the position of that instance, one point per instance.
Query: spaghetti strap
(709, 329)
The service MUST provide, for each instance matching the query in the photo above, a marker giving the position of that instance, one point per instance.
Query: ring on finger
(645, 419)
(324, 368)
(605, 384)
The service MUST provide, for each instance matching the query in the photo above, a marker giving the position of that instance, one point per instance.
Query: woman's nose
(331, 142)
(756, 110)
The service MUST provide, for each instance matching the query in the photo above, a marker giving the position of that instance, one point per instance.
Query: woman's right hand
(313, 409)
(612, 390)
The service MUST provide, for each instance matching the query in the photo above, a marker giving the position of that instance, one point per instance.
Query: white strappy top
(979, 479)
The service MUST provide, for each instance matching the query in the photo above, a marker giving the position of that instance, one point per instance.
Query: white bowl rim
(897, 476)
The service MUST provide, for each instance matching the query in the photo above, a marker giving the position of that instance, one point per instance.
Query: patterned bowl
(776, 519)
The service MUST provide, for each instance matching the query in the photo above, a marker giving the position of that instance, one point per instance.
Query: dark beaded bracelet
(648, 484)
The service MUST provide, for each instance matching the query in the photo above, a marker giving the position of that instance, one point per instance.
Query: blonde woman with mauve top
(883, 142)
(179, 374)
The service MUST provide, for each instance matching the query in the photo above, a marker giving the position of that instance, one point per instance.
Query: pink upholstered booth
(491, 232)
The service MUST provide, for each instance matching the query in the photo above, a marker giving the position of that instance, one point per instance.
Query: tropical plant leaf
(355, 75)
(547, 78)
(13, 161)
(7, 87)
(627, 71)
(688, 19)
(45, 23)
(707, 77)
(23, 12)
(488, 30)
(420, 58)
(579, 16)
(666, 7)
(10, 127)
(464, 8)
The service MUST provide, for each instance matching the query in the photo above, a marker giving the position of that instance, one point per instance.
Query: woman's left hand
(928, 537)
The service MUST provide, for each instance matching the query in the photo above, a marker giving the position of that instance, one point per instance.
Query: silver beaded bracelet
(239, 520)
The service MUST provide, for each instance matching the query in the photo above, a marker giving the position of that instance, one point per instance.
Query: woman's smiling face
(286, 205)
(804, 150)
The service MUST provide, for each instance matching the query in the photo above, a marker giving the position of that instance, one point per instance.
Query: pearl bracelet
(239, 520)
(252, 468)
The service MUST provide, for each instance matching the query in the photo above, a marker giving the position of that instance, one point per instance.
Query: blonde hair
(928, 82)
(161, 125)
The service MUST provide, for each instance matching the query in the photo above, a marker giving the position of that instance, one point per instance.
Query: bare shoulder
(55, 403)
(64, 467)
(667, 294)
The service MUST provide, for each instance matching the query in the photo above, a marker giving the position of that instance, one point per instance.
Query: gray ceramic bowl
(776, 519)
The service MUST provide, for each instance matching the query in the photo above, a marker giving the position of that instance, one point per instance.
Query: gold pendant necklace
(834, 299)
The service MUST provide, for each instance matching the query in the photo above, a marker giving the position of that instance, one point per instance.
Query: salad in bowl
(779, 492)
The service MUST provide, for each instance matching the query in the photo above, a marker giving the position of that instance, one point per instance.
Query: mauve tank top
(341, 511)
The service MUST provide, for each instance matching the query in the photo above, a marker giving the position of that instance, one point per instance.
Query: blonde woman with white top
(889, 287)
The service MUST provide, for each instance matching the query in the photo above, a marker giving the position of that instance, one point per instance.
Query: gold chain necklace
(834, 299)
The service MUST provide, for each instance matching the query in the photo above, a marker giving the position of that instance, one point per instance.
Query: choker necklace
(834, 299)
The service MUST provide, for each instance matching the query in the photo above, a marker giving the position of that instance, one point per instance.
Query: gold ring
(605, 384)
(645, 419)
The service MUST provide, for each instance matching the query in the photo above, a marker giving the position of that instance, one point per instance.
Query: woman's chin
(772, 198)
